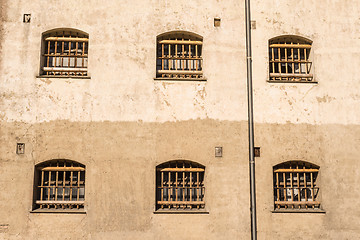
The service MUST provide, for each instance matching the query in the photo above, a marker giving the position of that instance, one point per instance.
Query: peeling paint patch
(47, 81)
(324, 99)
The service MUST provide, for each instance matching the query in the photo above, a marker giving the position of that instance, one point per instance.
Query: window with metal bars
(289, 59)
(65, 53)
(179, 56)
(295, 186)
(180, 186)
(59, 184)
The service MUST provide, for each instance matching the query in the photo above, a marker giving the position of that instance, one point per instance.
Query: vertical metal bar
(76, 54)
(55, 58)
(190, 186)
(63, 191)
(250, 122)
(56, 185)
(48, 58)
(286, 61)
(169, 189)
(162, 189)
(49, 186)
(292, 59)
(277, 189)
(291, 188)
(183, 56)
(42, 185)
(196, 61)
(306, 60)
(176, 62)
(78, 187)
(273, 63)
(170, 62)
(69, 55)
(299, 58)
(71, 184)
(176, 184)
(197, 189)
(62, 53)
(183, 184)
(298, 181)
(162, 58)
(190, 61)
(312, 187)
(305, 187)
(83, 58)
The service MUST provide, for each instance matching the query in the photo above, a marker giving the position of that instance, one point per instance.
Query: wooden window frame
(296, 186)
(179, 56)
(290, 60)
(64, 53)
(180, 186)
(59, 186)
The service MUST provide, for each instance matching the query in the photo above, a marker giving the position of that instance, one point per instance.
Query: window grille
(179, 56)
(65, 53)
(289, 59)
(295, 185)
(180, 185)
(60, 185)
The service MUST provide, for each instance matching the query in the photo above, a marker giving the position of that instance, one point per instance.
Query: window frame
(173, 200)
(179, 56)
(291, 178)
(290, 60)
(53, 61)
(47, 193)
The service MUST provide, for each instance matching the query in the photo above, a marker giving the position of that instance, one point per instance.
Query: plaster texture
(121, 123)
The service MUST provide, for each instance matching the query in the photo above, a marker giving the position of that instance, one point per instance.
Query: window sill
(54, 76)
(59, 211)
(284, 81)
(181, 79)
(162, 211)
(299, 211)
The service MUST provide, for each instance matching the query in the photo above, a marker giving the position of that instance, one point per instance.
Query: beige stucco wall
(121, 123)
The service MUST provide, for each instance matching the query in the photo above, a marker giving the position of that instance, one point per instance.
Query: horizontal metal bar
(64, 69)
(179, 72)
(181, 170)
(180, 42)
(300, 75)
(179, 187)
(297, 203)
(296, 170)
(277, 45)
(181, 202)
(59, 202)
(67, 39)
(63, 169)
(290, 61)
(65, 55)
(180, 58)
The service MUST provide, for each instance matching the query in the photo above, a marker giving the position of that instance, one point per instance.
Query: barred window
(65, 53)
(60, 184)
(180, 185)
(179, 56)
(289, 59)
(295, 185)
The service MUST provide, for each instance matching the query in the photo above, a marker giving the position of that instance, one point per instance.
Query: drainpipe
(250, 122)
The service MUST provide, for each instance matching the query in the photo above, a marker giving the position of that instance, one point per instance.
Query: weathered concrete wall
(121, 123)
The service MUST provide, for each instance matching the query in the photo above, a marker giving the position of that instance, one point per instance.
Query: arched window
(295, 185)
(180, 185)
(289, 59)
(179, 56)
(65, 53)
(59, 184)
